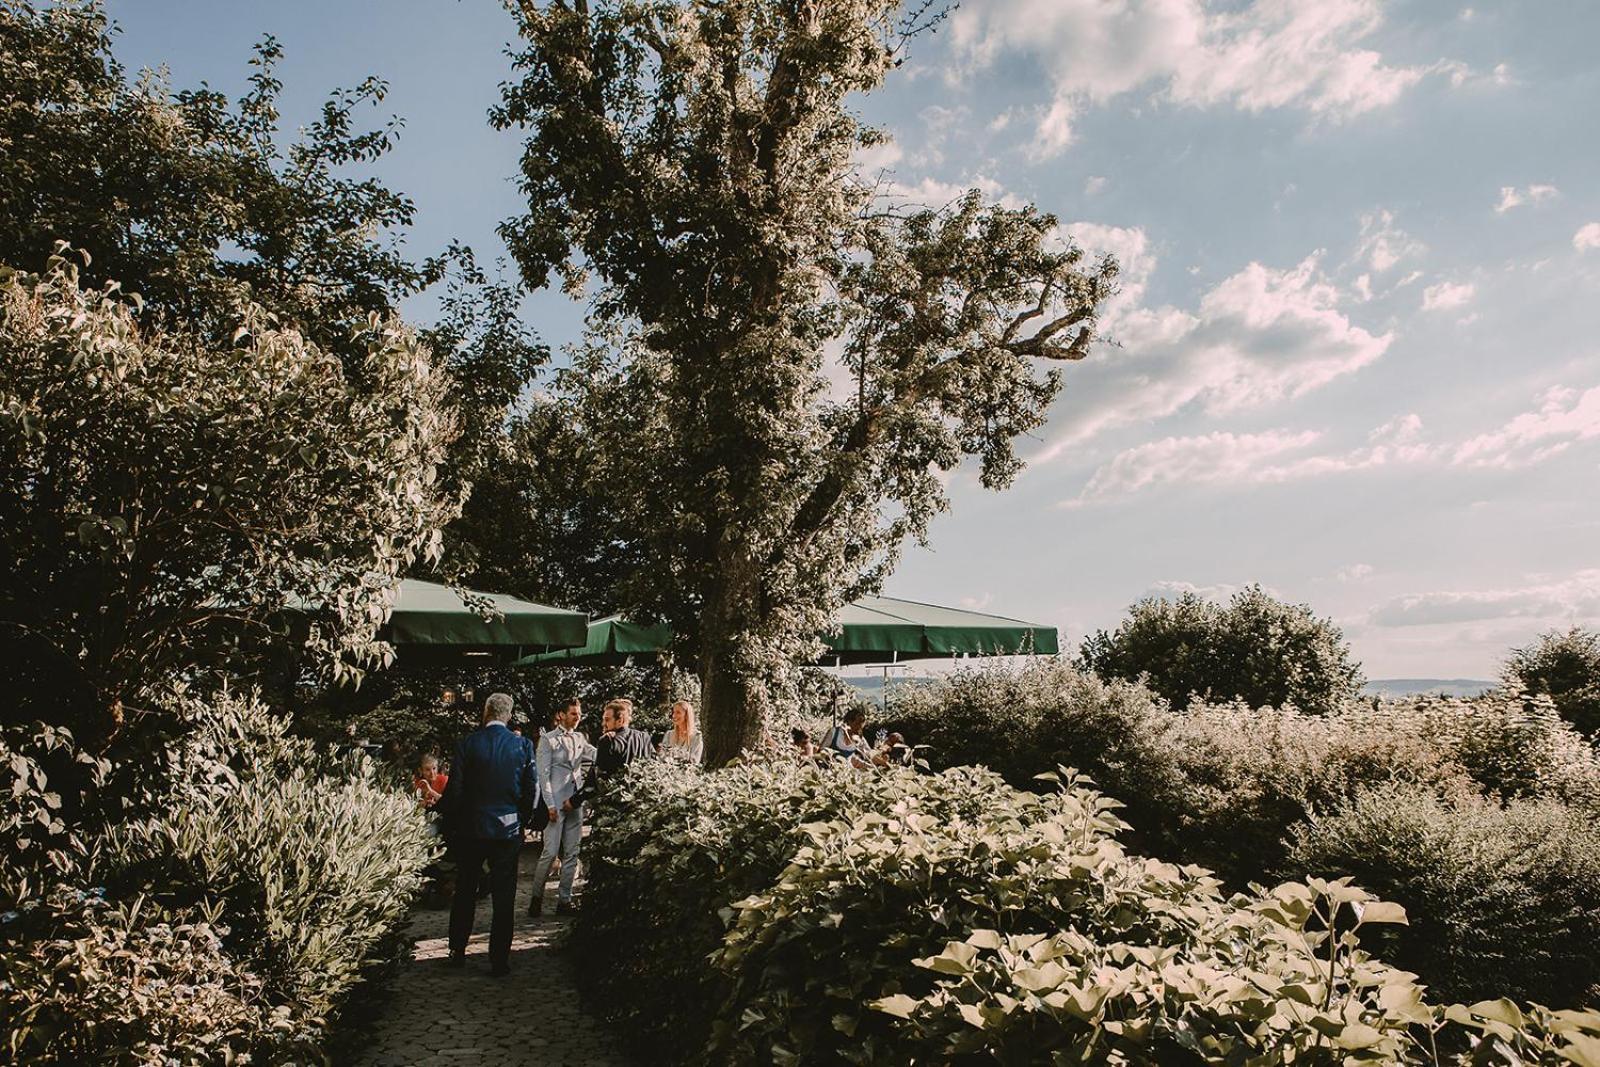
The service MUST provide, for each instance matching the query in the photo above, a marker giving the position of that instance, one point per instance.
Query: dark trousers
(502, 859)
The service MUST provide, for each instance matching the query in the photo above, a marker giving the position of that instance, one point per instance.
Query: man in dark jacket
(487, 801)
(622, 744)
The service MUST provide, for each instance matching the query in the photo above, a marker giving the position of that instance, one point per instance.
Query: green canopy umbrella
(435, 617)
(612, 640)
(871, 629)
(881, 627)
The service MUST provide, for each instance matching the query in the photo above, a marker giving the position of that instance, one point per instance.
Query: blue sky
(1358, 356)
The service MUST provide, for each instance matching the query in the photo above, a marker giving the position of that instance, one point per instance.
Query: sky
(1356, 350)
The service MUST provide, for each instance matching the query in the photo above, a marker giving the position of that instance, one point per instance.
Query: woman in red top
(429, 783)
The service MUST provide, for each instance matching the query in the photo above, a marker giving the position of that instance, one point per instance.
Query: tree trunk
(733, 683)
(733, 706)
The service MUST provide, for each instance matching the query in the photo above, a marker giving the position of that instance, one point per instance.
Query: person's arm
(545, 766)
(697, 747)
(528, 793)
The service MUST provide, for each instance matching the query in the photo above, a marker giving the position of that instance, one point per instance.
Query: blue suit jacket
(492, 788)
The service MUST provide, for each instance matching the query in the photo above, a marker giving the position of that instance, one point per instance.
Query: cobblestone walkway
(438, 1015)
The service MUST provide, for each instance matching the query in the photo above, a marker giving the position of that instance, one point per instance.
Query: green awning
(427, 614)
(940, 631)
(871, 629)
(612, 640)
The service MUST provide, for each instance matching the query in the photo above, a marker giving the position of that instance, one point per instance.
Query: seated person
(804, 747)
(848, 740)
(428, 783)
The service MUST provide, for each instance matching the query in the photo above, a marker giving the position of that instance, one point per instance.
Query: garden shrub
(1221, 784)
(1255, 649)
(1566, 668)
(1504, 899)
(114, 984)
(674, 847)
(312, 871)
(234, 919)
(951, 919)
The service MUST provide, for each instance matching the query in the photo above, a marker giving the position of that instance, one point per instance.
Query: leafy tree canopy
(189, 199)
(164, 498)
(782, 362)
(1566, 667)
(1256, 649)
(201, 205)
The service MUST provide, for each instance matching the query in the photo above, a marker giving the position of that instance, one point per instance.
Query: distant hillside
(1450, 687)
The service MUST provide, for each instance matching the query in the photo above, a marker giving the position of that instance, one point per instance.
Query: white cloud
(1447, 295)
(1383, 244)
(1575, 598)
(1219, 592)
(1250, 459)
(1563, 418)
(1260, 336)
(1095, 185)
(1511, 196)
(1213, 457)
(879, 157)
(1355, 572)
(1267, 54)
(933, 193)
(1587, 237)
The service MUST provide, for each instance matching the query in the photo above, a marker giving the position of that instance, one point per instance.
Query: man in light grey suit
(564, 758)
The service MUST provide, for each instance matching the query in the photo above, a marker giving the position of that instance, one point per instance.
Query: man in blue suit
(487, 801)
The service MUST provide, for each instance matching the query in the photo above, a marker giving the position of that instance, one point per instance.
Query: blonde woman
(684, 740)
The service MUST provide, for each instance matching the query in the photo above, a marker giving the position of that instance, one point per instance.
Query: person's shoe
(499, 970)
(566, 907)
(456, 959)
(536, 906)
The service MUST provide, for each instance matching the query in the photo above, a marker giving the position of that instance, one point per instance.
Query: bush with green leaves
(674, 847)
(1504, 898)
(1564, 666)
(124, 984)
(269, 877)
(312, 866)
(1221, 784)
(166, 500)
(1255, 649)
(789, 915)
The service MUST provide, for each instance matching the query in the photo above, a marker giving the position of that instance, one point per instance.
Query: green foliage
(1256, 649)
(1566, 668)
(673, 849)
(311, 871)
(165, 500)
(191, 200)
(40, 845)
(789, 915)
(120, 985)
(1503, 899)
(235, 920)
(699, 159)
(1227, 785)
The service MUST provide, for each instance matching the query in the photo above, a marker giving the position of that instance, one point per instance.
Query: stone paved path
(438, 1015)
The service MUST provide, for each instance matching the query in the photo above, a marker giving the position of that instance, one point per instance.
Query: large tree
(782, 363)
(203, 205)
(196, 202)
(164, 498)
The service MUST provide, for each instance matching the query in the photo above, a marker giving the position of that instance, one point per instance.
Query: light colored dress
(693, 750)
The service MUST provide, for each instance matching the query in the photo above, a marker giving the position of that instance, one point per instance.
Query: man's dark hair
(798, 734)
